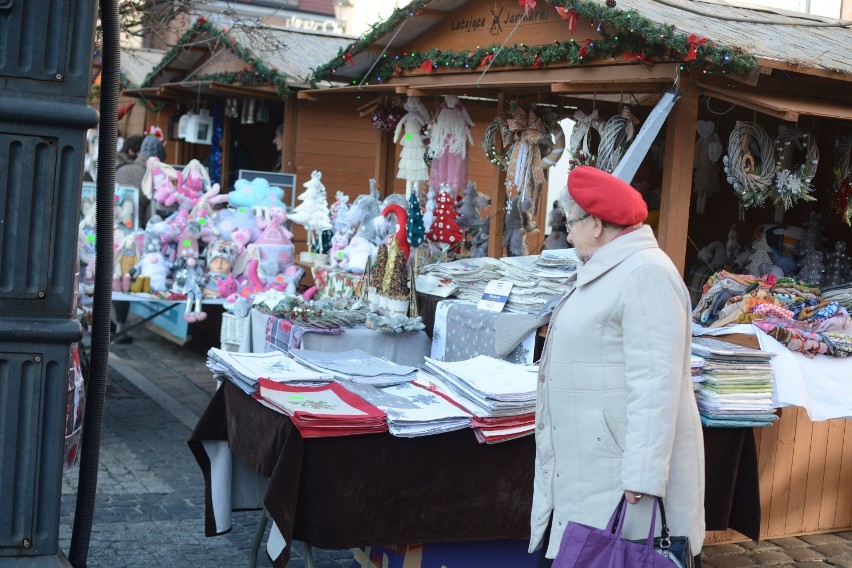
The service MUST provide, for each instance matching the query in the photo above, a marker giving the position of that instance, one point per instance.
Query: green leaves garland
(257, 74)
(638, 38)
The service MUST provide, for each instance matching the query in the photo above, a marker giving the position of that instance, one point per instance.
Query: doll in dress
(412, 167)
(448, 145)
(708, 150)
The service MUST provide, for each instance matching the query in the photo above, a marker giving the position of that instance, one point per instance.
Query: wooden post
(288, 151)
(677, 173)
(495, 237)
(225, 143)
(380, 172)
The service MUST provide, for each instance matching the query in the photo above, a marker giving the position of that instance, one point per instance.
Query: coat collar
(614, 252)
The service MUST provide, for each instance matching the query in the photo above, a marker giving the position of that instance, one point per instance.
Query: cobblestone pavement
(150, 503)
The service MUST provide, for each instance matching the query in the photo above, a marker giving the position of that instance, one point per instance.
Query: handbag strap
(616, 524)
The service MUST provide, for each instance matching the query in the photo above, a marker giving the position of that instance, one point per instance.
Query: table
(377, 489)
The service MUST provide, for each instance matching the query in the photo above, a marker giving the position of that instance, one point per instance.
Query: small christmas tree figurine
(377, 275)
(760, 260)
(395, 285)
(444, 228)
(313, 212)
(469, 210)
(839, 271)
(415, 229)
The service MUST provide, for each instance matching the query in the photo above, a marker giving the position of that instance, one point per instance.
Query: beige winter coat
(615, 406)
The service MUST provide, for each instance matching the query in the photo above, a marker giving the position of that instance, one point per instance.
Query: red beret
(606, 197)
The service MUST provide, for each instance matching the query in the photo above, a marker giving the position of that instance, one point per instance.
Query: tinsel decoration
(793, 183)
(750, 176)
(635, 33)
(214, 161)
(387, 116)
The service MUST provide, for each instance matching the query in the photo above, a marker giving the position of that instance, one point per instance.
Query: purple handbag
(583, 546)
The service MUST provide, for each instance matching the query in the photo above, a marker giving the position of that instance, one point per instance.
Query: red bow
(527, 5)
(642, 57)
(583, 52)
(427, 65)
(398, 69)
(569, 15)
(537, 62)
(694, 43)
(347, 57)
(486, 60)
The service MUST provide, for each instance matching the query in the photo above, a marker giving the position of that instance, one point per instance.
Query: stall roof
(260, 55)
(778, 39)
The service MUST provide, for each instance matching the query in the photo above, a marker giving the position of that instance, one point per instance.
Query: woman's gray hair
(569, 206)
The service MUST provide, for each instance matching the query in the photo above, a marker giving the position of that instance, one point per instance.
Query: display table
(377, 489)
(402, 348)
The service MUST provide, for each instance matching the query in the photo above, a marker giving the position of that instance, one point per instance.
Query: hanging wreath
(526, 137)
(793, 183)
(750, 178)
(580, 140)
(557, 147)
(387, 116)
(489, 148)
(842, 187)
(615, 139)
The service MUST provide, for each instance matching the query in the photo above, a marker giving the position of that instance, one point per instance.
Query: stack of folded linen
(356, 366)
(734, 385)
(244, 369)
(322, 411)
(500, 395)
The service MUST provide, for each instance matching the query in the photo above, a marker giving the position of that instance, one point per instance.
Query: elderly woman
(616, 412)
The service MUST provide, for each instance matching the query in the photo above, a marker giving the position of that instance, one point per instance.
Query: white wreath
(793, 183)
(752, 180)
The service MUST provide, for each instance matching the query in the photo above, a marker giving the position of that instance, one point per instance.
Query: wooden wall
(805, 471)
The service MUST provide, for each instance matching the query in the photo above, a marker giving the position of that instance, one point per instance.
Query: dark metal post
(46, 49)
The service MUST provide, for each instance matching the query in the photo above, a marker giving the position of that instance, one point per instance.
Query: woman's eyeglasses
(570, 224)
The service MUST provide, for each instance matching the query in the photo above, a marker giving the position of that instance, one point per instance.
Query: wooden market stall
(729, 63)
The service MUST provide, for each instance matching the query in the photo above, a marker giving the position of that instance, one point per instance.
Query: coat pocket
(613, 432)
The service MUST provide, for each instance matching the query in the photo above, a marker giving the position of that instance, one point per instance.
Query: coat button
(554, 427)
(541, 427)
(559, 523)
(541, 379)
(545, 471)
(599, 439)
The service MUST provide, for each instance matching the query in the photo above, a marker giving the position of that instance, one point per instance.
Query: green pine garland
(257, 74)
(637, 35)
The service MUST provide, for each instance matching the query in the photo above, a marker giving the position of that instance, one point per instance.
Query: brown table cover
(373, 489)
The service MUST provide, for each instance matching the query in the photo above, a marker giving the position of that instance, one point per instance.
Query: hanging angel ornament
(705, 174)
(448, 144)
(412, 167)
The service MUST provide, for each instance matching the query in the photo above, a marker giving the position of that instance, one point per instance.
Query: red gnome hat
(401, 221)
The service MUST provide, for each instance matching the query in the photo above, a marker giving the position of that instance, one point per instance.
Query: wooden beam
(677, 173)
(785, 66)
(306, 95)
(588, 88)
(745, 101)
(498, 217)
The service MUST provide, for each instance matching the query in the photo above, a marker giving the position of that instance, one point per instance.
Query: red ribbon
(641, 57)
(427, 65)
(486, 60)
(537, 62)
(398, 69)
(347, 57)
(527, 5)
(569, 15)
(583, 52)
(694, 43)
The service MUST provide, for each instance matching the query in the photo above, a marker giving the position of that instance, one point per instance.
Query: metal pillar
(46, 49)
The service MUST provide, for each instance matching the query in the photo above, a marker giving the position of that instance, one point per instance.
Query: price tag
(495, 296)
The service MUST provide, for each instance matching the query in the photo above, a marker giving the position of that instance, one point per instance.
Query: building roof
(260, 56)
(773, 38)
(324, 7)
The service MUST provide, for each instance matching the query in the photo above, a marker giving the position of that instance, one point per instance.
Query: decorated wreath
(842, 187)
(751, 177)
(793, 183)
(386, 116)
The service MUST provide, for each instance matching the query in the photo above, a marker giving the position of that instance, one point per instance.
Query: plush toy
(126, 257)
(228, 220)
(159, 179)
(204, 214)
(189, 273)
(357, 254)
(517, 224)
(256, 192)
(338, 244)
(228, 288)
(153, 268)
(221, 256)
